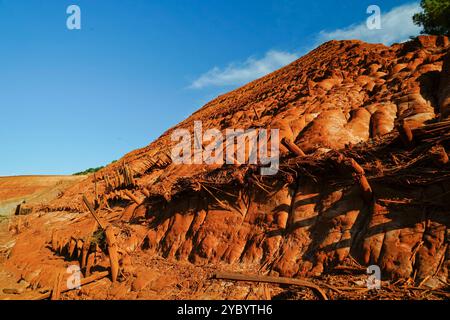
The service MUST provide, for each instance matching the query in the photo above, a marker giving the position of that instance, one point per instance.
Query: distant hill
(32, 189)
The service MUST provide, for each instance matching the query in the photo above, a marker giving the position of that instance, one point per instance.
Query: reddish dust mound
(363, 179)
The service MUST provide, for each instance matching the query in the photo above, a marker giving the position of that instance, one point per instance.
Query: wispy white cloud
(240, 73)
(396, 26)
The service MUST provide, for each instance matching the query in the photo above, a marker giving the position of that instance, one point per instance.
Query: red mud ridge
(372, 186)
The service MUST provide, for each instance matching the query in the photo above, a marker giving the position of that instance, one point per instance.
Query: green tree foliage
(87, 171)
(435, 18)
(91, 170)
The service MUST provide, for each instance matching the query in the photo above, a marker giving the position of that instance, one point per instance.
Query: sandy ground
(32, 189)
(14, 190)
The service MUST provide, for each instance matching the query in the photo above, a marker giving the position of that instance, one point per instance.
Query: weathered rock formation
(360, 193)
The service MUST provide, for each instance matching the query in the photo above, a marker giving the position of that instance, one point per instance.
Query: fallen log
(270, 279)
(350, 269)
(92, 211)
(356, 167)
(85, 281)
(292, 147)
(366, 190)
(132, 197)
(145, 192)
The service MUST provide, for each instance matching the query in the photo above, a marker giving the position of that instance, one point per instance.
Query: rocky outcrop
(359, 193)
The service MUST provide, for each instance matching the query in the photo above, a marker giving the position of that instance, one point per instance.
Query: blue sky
(74, 99)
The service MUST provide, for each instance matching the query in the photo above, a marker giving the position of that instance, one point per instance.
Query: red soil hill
(372, 188)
